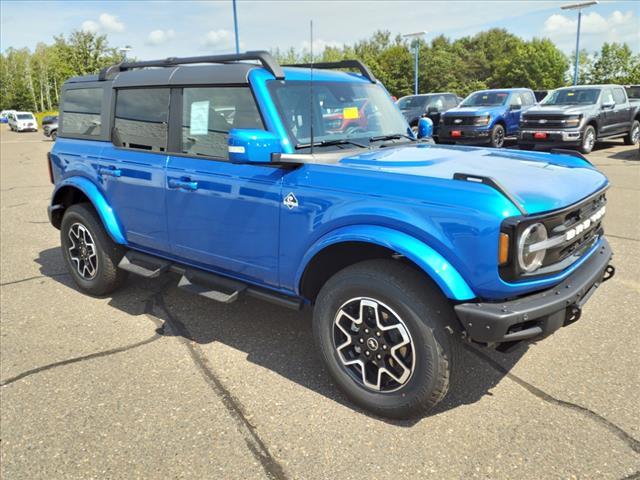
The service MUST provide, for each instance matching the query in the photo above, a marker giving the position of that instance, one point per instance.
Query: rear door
(622, 111)
(222, 216)
(132, 166)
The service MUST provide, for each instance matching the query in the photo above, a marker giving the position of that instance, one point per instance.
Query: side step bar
(207, 284)
(144, 265)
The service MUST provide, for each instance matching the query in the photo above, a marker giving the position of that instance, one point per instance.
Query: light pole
(415, 37)
(235, 26)
(578, 6)
(124, 50)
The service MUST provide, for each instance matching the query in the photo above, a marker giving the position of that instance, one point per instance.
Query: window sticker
(570, 94)
(350, 113)
(199, 118)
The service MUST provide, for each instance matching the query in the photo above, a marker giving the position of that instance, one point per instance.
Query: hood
(558, 109)
(474, 110)
(539, 181)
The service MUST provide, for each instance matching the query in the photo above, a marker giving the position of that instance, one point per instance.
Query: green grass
(40, 115)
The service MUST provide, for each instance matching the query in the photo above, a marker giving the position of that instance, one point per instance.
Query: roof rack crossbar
(264, 57)
(356, 64)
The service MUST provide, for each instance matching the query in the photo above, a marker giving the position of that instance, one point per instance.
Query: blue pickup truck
(486, 117)
(235, 175)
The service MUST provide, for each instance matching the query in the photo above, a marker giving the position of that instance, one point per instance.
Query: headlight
(482, 120)
(573, 121)
(531, 261)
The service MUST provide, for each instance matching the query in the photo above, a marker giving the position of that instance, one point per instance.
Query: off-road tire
(428, 317)
(107, 277)
(497, 135)
(633, 137)
(586, 146)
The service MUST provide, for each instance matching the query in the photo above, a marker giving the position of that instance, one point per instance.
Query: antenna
(311, 84)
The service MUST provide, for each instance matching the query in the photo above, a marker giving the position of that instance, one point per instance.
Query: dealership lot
(153, 382)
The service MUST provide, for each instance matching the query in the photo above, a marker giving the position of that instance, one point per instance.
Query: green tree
(615, 63)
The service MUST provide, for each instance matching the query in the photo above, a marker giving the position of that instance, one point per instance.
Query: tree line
(31, 80)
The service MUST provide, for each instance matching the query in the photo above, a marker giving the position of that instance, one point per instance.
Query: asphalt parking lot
(156, 383)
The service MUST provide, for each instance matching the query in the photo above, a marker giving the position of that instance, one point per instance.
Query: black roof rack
(357, 64)
(265, 58)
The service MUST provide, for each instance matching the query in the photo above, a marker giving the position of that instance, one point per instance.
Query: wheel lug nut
(378, 334)
(362, 340)
(384, 347)
(379, 357)
(366, 330)
(367, 353)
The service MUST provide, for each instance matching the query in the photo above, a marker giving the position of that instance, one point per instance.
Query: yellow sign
(350, 113)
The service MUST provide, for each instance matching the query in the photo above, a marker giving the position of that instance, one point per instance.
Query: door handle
(184, 183)
(110, 171)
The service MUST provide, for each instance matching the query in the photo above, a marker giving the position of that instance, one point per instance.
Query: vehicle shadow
(272, 337)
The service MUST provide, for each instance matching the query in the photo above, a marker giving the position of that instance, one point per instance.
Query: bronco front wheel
(387, 336)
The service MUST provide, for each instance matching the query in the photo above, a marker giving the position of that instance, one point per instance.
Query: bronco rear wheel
(90, 254)
(386, 335)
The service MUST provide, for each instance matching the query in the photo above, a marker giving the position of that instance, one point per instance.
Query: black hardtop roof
(208, 69)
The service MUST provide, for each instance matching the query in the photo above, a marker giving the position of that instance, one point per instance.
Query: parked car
(431, 105)
(51, 130)
(580, 116)
(486, 117)
(23, 122)
(4, 115)
(48, 119)
(403, 248)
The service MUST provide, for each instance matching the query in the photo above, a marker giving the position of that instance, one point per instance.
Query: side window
(607, 96)
(452, 102)
(141, 118)
(516, 99)
(618, 96)
(208, 113)
(81, 109)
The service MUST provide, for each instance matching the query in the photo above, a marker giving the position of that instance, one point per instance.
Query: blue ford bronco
(305, 186)
(486, 117)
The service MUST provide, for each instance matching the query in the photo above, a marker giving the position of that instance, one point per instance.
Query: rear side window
(209, 113)
(81, 109)
(618, 96)
(141, 118)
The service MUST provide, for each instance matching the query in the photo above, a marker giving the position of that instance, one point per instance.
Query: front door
(222, 216)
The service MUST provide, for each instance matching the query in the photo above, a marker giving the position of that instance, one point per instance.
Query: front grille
(563, 255)
(464, 120)
(544, 122)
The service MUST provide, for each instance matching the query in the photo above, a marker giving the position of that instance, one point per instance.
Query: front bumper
(554, 137)
(468, 134)
(536, 316)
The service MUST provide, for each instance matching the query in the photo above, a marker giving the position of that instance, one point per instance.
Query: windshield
(341, 111)
(485, 99)
(25, 116)
(572, 96)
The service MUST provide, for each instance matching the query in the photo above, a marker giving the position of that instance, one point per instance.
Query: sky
(181, 28)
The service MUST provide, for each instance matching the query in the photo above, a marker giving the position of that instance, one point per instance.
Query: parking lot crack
(28, 279)
(82, 358)
(633, 443)
(255, 444)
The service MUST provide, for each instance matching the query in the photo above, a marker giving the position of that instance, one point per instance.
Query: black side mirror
(515, 107)
(431, 110)
(608, 105)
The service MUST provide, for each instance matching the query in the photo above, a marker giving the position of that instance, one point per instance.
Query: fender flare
(99, 202)
(431, 262)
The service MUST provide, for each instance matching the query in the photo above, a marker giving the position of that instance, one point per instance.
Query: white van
(23, 121)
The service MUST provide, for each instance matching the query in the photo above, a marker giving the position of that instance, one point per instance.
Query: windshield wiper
(329, 143)
(393, 136)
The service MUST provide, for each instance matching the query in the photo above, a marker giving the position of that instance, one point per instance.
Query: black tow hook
(609, 272)
(573, 315)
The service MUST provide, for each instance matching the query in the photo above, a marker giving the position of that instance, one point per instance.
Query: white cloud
(158, 37)
(106, 23)
(319, 45)
(218, 39)
(594, 29)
